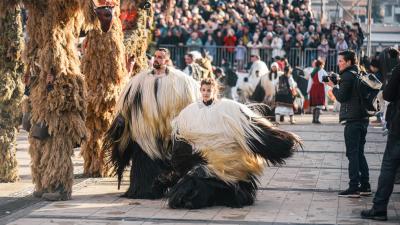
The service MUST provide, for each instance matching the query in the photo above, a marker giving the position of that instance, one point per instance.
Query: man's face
(160, 59)
(253, 58)
(343, 64)
(188, 60)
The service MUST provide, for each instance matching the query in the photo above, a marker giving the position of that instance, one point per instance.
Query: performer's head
(209, 89)
(189, 58)
(161, 58)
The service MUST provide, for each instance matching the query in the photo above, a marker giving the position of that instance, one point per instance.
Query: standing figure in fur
(58, 96)
(11, 90)
(141, 133)
(103, 65)
(265, 90)
(137, 21)
(219, 153)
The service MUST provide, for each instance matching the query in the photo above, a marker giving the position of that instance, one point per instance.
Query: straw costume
(58, 97)
(11, 90)
(103, 65)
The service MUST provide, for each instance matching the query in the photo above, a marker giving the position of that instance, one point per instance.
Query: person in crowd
(257, 69)
(275, 73)
(316, 90)
(391, 157)
(194, 42)
(323, 49)
(211, 46)
(230, 41)
(284, 98)
(341, 44)
(192, 68)
(240, 55)
(276, 45)
(255, 45)
(374, 67)
(355, 118)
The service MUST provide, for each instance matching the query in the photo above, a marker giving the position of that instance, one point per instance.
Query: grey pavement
(304, 191)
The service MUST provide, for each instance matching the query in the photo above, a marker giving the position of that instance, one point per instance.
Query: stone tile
(29, 221)
(202, 214)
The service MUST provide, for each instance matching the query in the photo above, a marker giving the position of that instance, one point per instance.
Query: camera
(334, 77)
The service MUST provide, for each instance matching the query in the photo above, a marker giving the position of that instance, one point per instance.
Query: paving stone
(302, 191)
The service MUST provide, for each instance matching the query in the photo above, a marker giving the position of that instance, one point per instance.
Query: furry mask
(104, 10)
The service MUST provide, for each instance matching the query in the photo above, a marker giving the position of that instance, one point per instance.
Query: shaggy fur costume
(265, 91)
(142, 130)
(52, 28)
(136, 40)
(219, 153)
(11, 90)
(103, 65)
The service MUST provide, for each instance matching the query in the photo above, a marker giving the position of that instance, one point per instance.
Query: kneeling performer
(220, 148)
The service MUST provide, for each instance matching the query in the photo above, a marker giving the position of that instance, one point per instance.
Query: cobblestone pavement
(304, 191)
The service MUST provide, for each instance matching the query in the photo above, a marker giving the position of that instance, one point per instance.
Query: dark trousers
(390, 163)
(354, 136)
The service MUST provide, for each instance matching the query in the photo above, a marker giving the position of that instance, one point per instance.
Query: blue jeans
(354, 136)
(390, 163)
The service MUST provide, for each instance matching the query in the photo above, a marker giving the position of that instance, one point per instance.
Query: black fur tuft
(258, 94)
(119, 160)
(276, 146)
(184, 158)
(261, 109)
(144, 176)
(197, 190)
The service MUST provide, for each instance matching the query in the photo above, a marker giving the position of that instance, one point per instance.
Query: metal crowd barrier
(296, 57)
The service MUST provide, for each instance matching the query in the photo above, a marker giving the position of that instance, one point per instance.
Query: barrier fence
(297, 57)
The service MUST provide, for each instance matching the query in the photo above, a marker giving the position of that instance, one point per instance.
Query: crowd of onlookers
(252, 25)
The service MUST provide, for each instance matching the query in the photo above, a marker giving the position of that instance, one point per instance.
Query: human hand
(330, 84)
(50, 78)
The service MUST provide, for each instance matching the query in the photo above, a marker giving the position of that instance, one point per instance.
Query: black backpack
(368, 87)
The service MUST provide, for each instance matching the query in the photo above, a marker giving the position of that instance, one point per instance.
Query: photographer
(391, 157)
(355, 118)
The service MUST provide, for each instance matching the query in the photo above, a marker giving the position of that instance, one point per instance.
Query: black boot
(374, 215)
(317, 113)
(313, 116)
(397, 177)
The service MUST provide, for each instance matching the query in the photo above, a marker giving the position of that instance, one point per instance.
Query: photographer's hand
(330, 84)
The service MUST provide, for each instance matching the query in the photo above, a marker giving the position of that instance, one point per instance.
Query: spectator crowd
(252, 25)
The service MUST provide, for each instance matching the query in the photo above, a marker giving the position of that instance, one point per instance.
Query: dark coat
(391, 93)
(348, 96)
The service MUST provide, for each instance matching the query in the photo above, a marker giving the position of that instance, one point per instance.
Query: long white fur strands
(202, 127)
(149, 103)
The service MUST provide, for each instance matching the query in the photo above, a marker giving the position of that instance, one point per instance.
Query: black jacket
(391, 93)
(348, 96)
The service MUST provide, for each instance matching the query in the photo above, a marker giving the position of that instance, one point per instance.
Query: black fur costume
(141, 133)
(219, 154)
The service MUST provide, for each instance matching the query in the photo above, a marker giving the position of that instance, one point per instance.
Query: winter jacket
(350, 108)
(391, 93)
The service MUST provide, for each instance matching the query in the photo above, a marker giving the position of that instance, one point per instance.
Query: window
(388, 10)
